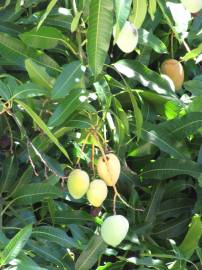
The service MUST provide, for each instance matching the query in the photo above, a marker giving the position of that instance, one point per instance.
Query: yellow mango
(109, 172)
(174, 70)
(114, 229)
(192, 6)
(97, 192)
(127, 38)
(78, 183)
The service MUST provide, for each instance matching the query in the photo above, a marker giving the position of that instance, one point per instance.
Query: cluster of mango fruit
(114, 228)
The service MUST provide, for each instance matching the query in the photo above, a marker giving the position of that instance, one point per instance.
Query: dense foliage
(72, 89)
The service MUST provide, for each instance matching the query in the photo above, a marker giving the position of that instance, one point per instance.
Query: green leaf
(75, 21)
(9, 173)
(149, 39)
(166, 168)
(15, 245)
(152, 8)
(137, 114)
(160, 138)
(43, 126)
(5, 91)
(192, 54)
(89, 256)
(147, 77)
(191, 240)
(45, 253)
(50, 6)
(184, 126)
(32, 193)
(38, 74)
(67, 107)
(72, 217)
(54, 235)
(122, 10)
(28, 90)
(45, 38)
(15, 51)
(139, 12)
(70, 78)
(99, 33)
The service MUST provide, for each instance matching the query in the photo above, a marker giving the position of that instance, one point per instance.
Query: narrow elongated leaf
(50, 6)
(45, 38)
(184, 126)
(28, 90)
(147, 77)
(32, 193)
(15, 51)
(167, 168)
(89, 256)
(15, 245)
(43, 126)
(152, 8)
(137, 114)
(193, 53)
(72, 217)
(159, 138)
(139, 12)
(191, 240)
(45, 253)
(38, 74)
(55, 235)
(99, 33)
(9, 173)
(149, 39)
(122, 10)
(155, 203)
(67, 107)
(5, 92)
(69, 78)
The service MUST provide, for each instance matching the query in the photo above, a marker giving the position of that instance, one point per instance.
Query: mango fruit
(114, 229)
(128, 38)
(192, 6)
(78, 183)
(174, 70)
(109, 172)
(97, 192)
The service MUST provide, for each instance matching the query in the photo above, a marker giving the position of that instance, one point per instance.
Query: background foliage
(62, 73)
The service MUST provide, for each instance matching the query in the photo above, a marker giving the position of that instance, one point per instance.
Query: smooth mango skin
(114, 229)
(174, 70)
(78, 183)
(192, 6)
(97, 192)
(109, 172)
(128, 38)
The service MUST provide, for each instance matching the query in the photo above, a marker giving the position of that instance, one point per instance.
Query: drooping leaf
(31, 193)
(89, 256)
(167, 168)
(55, 235)
(15, 245)
(43, 126)
(148, 78)
(70, 78)
(15, 51)
(45, 38)
(149, 39)
(38, 74)
(99, 33)
(67, 107)
(122, 10)
(139, 12)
